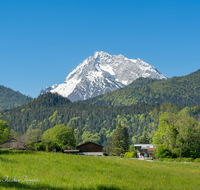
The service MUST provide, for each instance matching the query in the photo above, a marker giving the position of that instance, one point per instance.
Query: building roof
(151, 149)
(88, 143)
(11, 139)
(143, 146)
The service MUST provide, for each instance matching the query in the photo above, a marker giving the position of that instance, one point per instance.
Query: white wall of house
(91, 153)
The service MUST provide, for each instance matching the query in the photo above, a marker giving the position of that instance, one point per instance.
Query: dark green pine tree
(144, 140)
(120, 141)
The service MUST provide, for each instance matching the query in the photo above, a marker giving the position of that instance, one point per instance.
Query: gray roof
(144, 146)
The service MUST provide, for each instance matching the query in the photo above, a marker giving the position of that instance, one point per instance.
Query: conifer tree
(120, 141)
(144, 140)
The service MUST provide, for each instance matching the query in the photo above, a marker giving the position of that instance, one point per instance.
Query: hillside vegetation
(57, 171)
(90, 122)
(184, 91)
(10, 98)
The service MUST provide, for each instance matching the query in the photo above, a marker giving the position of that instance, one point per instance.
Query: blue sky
(41, 41)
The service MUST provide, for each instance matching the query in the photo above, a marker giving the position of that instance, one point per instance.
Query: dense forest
(90, 122)
(10, 98)
(184, 91)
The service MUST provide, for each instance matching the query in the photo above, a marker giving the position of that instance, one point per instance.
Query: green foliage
(140, 118)
(162, 152)
(59, 136)
(120, 141)
(178, 160)
(88, 136)
(132, 148)
(197, 160)
(184, 91)
(82, 117)
(144, 140)
(178, 131)
(14, 134)
(4, 131)
(130, 154)
(10, 98)
(39, 147)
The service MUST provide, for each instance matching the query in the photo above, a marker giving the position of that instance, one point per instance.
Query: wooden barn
(88, 148)
(13, 143)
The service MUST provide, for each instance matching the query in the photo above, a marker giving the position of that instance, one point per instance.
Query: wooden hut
(13, 143)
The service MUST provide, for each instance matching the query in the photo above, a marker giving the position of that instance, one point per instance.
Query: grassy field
(61, 171)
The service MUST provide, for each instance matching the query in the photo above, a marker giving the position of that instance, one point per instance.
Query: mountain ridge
(102, 73)
(10, 98)
(184, 90)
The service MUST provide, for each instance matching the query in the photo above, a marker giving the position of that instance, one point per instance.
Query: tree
(88, 136)
(132, 148)
(177, 131)
(14, 134)
(59, 136)
(144, 140)
(4, 131)
(120, 141)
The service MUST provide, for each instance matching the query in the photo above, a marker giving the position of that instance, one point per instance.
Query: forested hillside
(90, 122)
(10, 98)
(184, 91)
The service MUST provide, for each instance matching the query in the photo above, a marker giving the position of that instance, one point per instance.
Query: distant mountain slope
(10, 98)
(88, 120)
(102, 73)
(184, 91)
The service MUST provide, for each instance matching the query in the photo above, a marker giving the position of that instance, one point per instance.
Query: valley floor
(62, 171)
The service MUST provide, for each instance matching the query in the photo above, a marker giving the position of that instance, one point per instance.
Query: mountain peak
(103, 73)
(100, 54)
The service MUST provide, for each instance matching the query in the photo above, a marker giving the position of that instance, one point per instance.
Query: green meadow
(63, 171)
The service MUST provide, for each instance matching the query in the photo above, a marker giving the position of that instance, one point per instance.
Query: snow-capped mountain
(102, 73)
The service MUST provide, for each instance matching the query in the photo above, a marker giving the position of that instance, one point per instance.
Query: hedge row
(130, 154)
(197, 160)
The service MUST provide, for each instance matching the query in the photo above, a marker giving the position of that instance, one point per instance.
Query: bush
(176, 159)
(197, 160)
(187, 159)
(162, 152)
(39, 147)
(30, 146)
(105, 153)
(130, 154)
(122, 155)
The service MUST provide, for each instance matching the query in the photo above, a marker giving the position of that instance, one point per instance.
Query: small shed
(13, 143)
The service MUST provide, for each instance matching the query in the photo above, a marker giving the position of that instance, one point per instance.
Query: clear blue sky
(41, 41)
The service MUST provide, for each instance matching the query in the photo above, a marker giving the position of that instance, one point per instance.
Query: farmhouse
(13, 143)
(88, 148)
(142, 150)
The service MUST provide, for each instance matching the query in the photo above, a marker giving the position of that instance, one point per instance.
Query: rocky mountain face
(102, 73)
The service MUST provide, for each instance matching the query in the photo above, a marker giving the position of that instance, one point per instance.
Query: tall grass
(63, 171)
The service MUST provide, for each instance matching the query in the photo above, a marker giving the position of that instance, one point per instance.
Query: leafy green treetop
(178, 131)
(4, 131)
(59, 136)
